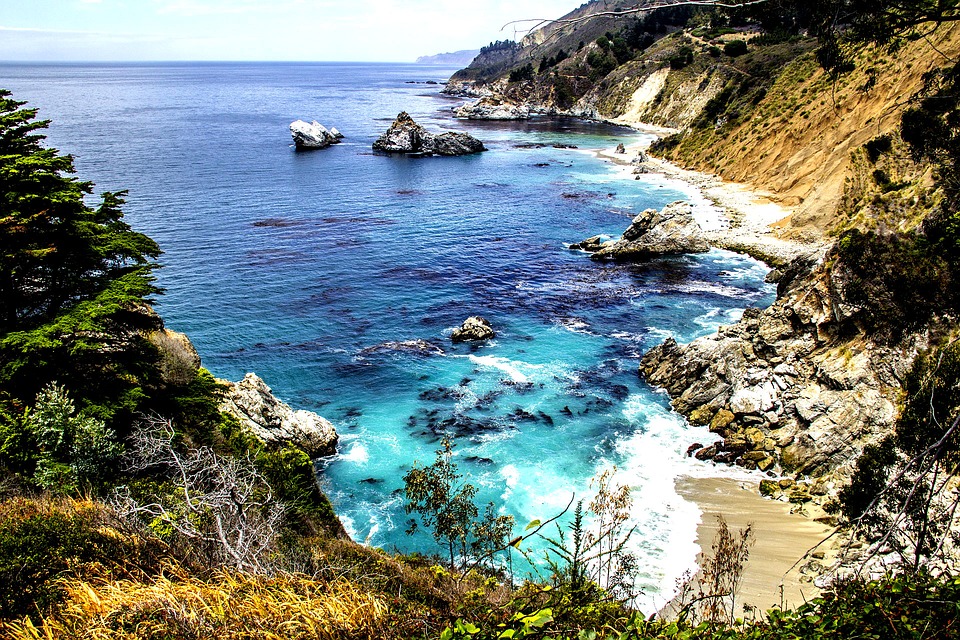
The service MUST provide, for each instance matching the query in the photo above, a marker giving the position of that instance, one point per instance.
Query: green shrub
(293, 480)
(521, 74)
(41, 541)
(682, 58)
(735, 48)
(897, 282)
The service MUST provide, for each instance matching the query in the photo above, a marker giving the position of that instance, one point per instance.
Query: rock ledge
(272, 421)
(652, 233)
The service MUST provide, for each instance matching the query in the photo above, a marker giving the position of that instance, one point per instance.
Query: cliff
(801, 388)
(768, 115)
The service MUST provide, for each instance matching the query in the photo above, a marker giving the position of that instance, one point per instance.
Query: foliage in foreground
(104, 581)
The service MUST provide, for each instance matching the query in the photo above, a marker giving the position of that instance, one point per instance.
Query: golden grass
(231, 605)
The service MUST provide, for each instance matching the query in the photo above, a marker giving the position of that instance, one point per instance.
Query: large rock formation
(493, 109)
(794, 387)
(473, 328)
(272, 421)
(406, 136)
(652, 233)
(313, 135)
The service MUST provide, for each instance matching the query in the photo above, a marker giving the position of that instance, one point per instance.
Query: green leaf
(533, 525)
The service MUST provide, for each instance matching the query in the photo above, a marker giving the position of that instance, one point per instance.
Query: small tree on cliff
(445, 505)
(904, 492)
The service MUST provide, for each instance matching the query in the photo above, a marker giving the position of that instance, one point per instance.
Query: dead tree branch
(221, 502)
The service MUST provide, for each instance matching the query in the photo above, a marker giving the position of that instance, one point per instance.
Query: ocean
(319, 271)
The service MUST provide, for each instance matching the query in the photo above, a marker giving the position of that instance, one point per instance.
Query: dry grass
(232, 605)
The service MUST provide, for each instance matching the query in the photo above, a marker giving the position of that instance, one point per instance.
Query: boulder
(591, 244)
(406, 136)
(273, 422)
(490, 108)
(654, 233)
(313, 135)
(473, 328)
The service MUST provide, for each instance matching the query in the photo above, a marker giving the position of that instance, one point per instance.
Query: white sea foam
(651, 459)
(511, 367)
(374, 528)
(357, 454)
(699, 286)
(511, 476)
(574, 325)
(348, 525)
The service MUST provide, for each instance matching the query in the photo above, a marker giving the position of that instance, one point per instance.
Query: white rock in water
(272, 421)
(313, 135)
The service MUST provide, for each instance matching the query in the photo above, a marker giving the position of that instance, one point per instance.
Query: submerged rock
(273, 422)
(406, 136)
(652, 233)
(313, 135)
(591, 244)
(490, 108)
(473, 328)
(417, 347)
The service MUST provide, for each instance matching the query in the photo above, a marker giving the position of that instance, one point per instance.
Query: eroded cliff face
(771, 118)
(795, 388)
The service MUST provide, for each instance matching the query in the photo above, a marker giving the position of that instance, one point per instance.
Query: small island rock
(490, 108)
(272, 421)
(406, 136)
(473, 328)
(672, 230)
(313, 135)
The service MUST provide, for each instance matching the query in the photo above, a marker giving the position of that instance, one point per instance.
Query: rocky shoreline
(259, 412)
(784, 393)
(795, 391)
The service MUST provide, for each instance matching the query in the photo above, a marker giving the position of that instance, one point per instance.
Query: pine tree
(74, 279)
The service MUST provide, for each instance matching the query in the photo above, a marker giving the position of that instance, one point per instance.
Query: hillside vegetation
(767, 114)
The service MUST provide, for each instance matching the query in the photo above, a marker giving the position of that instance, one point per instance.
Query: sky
(258, 30)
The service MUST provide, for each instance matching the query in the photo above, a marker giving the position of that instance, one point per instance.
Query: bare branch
(222, 501)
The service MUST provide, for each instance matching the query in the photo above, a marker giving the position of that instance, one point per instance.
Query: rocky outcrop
(406, 136)
(272, 421)
(473, 328)
(179, 360)
(794, 387)
(313, 135)
(493, 109)
(652, 233)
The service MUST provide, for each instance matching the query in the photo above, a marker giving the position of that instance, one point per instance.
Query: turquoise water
(308, 268)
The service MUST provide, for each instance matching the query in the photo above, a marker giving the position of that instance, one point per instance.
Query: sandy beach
(773, 576)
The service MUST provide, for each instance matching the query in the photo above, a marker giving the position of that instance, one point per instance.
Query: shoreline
(733, 216)
(788, 550)
(779, 573)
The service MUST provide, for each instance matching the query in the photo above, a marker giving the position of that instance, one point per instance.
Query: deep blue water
(301, 266)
